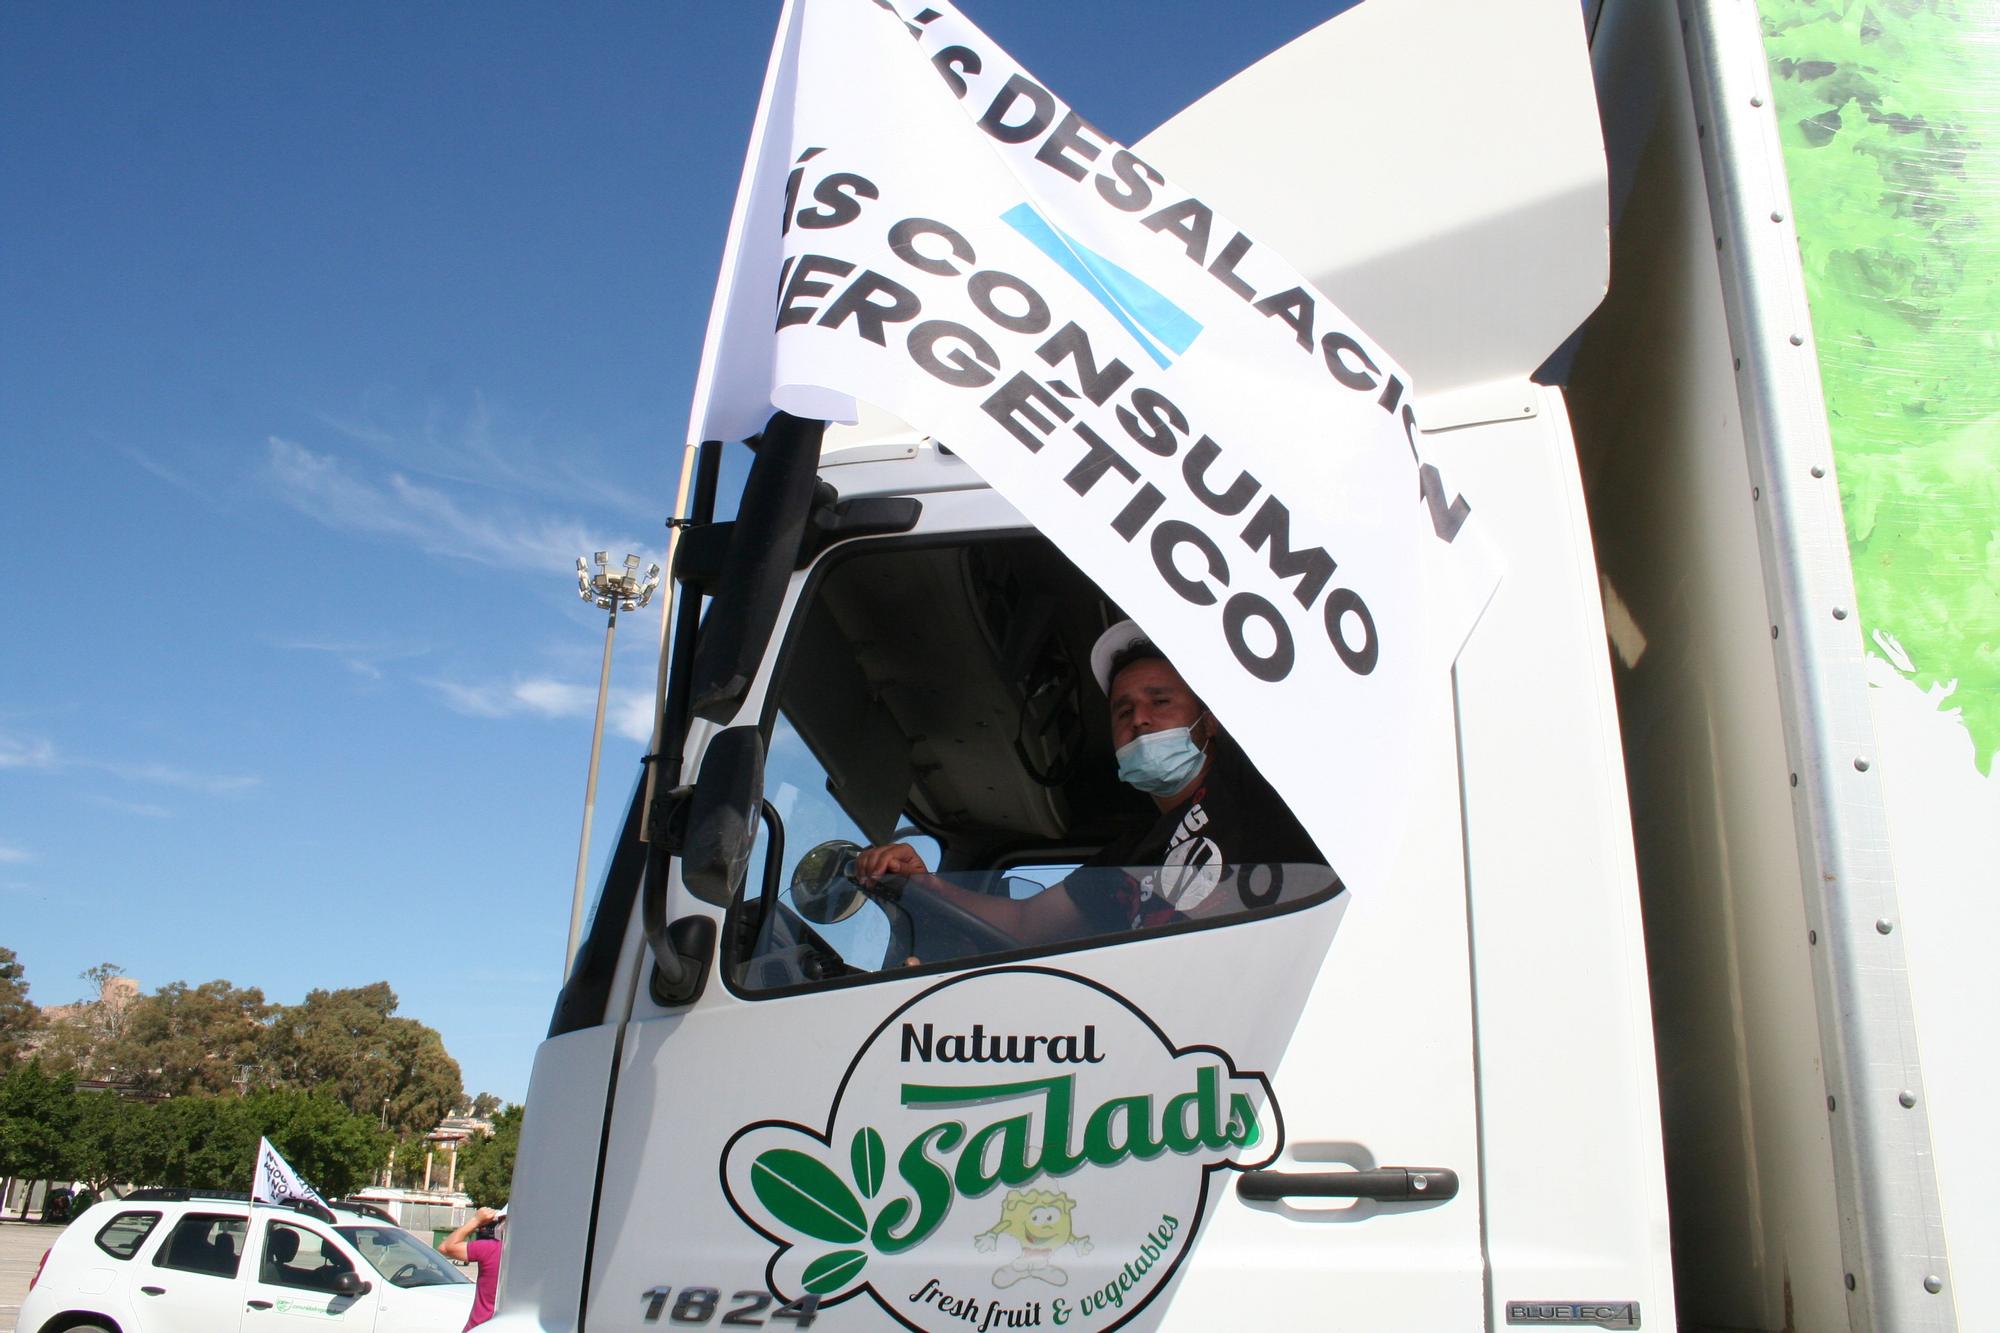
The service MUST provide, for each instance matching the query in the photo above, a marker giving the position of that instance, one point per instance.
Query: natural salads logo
(1019, 1148)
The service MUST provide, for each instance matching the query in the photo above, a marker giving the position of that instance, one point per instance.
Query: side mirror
(823, 888)
(723, 815)
(350, 1284)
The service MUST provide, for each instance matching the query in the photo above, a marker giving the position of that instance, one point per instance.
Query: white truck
(1671, 1011)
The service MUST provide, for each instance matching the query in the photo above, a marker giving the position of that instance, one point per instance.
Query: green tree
(37, 1112)
(188, 1039)
(80, 1040)
(107, 1140)
(352, 1043)
(486, 1164)
(18, 1015)
(211, 1142)
(485, 1106)
(335, 1150)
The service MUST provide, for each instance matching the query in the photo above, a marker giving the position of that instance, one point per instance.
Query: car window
(296, 1256)
(210, 1243)
(122, 1236)
(402, 1259)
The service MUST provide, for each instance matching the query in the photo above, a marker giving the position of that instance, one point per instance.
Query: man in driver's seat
(1216, 814)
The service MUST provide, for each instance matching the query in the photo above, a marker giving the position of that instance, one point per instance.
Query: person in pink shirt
(485, 1254)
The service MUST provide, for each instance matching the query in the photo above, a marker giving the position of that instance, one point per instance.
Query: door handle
(260, 1305)
(1395, 1184)
(154, 1291)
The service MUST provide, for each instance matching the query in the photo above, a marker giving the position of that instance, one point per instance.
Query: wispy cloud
(167, 775)
(143, 809)
(12, 855)
(41, 755)
(627, 713)
(148, 463)
(479, 446)
(399, 509)
(26, 754)
(363, 659)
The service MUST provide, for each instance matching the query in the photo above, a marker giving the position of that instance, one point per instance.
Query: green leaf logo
(869, 1158)
(804, 1194)
(830, 1272)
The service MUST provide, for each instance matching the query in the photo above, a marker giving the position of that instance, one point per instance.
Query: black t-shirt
(1189, 853)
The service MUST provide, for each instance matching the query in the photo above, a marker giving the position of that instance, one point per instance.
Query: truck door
(1253, 1106)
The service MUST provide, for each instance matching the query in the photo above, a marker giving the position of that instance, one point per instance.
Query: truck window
(937, 696)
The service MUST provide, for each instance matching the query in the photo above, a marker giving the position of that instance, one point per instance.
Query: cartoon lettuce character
(1040, 1222)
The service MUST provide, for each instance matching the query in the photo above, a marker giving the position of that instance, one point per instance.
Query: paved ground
(21, 1246)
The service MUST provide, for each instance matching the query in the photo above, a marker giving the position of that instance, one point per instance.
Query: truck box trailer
(1665, 1009)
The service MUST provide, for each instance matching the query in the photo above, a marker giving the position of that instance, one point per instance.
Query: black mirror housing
(723, 815)
(351, 1284)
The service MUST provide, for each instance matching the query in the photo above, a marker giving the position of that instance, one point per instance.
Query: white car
(192, 1261)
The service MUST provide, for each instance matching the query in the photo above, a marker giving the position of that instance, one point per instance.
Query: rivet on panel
(1776, 216)
(1795, 779)
(1829, 1101)
(1756, 493)
(1798, 340)
(1934, 1284)
(1850, 1282)
(1739, 363)
(1906, 1098)
(1840, 613)
(1812, 937)
(1756, 101)
(1818, 471)
(1774, 631)
(1884, 926)
(1860, 764)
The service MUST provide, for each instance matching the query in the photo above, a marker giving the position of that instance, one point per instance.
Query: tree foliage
(37, 1112)
(50, 1130)
(18, 1015)
(486, 1165)
(186, 1039)
(351, 1043)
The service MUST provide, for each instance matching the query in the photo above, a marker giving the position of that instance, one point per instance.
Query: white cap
(1109, 644)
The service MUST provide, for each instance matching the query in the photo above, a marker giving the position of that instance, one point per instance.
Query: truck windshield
(402, 1259)
(934, 704)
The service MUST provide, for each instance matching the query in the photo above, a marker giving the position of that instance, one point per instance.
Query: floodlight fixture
(609, 591)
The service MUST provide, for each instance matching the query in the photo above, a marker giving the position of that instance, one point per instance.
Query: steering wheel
(407, 1270)
(919, 902)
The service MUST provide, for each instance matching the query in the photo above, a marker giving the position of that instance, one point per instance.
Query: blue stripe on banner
(1131, 302)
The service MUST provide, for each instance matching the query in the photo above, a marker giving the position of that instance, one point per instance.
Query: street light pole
(610, 592)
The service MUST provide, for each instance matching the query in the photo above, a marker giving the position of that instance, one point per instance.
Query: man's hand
(897, 858)
(486, 1215)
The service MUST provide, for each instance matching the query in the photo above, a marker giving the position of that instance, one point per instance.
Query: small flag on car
(276, 1182)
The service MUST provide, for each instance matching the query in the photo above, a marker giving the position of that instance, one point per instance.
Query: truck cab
(1545, 1059)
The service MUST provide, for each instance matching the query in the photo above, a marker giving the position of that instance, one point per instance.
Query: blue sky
(329, 336)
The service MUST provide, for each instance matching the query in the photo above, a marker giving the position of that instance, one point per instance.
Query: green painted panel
(1890, 113)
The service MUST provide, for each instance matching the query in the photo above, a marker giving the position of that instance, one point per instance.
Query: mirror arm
(774, 860)
(670, 816)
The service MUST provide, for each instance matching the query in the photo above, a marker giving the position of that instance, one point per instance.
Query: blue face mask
(1160, 763)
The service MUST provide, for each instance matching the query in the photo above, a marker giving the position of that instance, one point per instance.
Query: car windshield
(402, 1259)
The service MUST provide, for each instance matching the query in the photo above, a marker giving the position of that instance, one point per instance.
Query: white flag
(276, 1182)
(923, 226)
